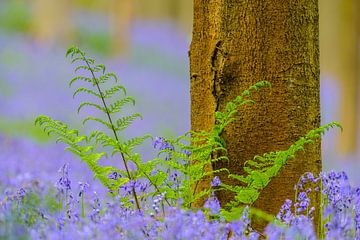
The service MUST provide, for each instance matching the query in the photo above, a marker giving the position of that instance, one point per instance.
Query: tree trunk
(52, 21)
(348, 75)
(238, 43)
(120, 17)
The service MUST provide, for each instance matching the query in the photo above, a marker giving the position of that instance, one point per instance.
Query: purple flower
(157, 201)
(302, 202)
(127, 188)
(160, 141)
(285, 213)
(187, 153)
(63, 184)
(213, 204)
(215, 182)
(238, 228)
(301, 228)
(114, 175)
(83, 187)
(357, 220)
(162, 144)
(174, 179)
(310, 177)
(20, 194)
(96, 208)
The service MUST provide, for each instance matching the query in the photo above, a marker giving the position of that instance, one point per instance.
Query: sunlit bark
(238, 43)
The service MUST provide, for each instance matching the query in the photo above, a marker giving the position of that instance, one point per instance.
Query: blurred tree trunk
(178, 10)
(181, 12)
(154, 9)
(120, 16)
(340, 27)
(52, 20)
(238, 43)
(348, 74)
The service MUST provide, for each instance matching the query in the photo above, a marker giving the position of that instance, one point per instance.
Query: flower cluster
(163, 145)
(340, 207)
(32, 211)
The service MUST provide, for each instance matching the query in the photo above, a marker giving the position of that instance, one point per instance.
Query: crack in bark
(217, 63)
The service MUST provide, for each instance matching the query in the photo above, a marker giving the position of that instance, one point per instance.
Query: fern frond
(113, 90)
(106, 76)
(136, 141)
(100, 67)
(106, 124)
(83, 67)
(86, 90)
(80, 78)
(86, 147)
(125, 122)
(73, 50)
(83, 104)
(262, 169)
(117, 106)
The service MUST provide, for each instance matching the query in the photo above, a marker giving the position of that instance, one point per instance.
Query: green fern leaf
(106, 124)
(92, 105)
(86, 90)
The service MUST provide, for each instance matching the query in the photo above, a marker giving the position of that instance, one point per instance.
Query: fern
(206, 148)
(184, 160)
(262, 169)
(77, 145)
(83, 145)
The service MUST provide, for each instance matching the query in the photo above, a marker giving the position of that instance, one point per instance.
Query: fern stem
(112, 128)
(82, 206)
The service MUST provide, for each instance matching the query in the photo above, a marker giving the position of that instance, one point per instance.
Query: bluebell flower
(285, 213)
(162, 144)
(63, 184)
(303, 202)
(301, 228)
(157, 202)
(126, 189)
(20, 194)
(83, 187)
(213, 204)
(157, 141)
(96, 208)
(215, 182)
(114, 175)
(357, 220)
(187, 153)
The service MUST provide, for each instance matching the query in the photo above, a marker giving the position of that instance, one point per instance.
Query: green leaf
(247, 196)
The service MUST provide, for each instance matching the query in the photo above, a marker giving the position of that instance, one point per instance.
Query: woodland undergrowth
(152, 188)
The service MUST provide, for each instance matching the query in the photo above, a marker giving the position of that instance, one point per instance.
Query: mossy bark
(237, 43)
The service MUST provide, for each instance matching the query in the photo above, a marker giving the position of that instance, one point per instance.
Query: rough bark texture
(237, 43)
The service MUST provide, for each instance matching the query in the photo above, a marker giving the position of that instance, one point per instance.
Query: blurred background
(145, 43)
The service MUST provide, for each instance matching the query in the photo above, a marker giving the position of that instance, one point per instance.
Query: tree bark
(237, 43)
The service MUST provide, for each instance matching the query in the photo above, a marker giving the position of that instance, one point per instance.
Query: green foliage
(262, 169)
(91, 148)
(23, 128)
(232, 108)
(15, 16)
(181, 164)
